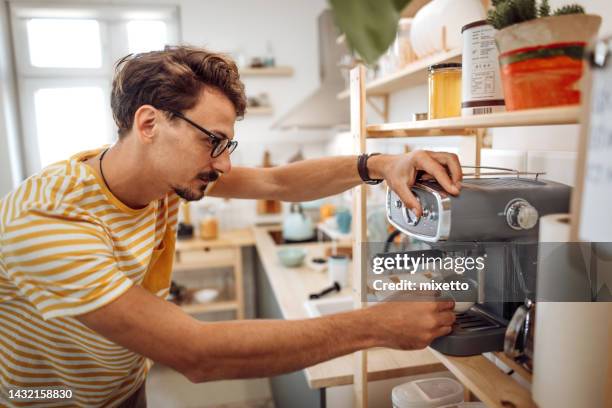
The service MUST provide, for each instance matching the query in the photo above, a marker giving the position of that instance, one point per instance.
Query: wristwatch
(362, 169)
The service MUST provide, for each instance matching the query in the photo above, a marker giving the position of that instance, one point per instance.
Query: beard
(196, 194)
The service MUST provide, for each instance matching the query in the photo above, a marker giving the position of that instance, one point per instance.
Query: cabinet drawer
(205, 258)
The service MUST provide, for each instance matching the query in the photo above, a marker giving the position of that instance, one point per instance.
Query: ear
(145, 123)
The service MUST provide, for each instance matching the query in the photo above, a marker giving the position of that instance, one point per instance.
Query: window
(69, 117)
(63, 43)
(146, 35)
(65, 58)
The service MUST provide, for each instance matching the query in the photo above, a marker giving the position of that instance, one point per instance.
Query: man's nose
(222, 164)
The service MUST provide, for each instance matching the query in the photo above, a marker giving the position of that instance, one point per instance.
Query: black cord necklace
(102, 172)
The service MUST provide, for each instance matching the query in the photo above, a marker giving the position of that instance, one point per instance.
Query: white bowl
(205, 295)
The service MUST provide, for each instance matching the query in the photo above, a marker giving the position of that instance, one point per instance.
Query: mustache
(208, 176)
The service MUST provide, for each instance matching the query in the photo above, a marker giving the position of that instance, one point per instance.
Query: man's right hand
(410, 325)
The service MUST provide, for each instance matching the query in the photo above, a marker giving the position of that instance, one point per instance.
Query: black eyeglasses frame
(215, 140)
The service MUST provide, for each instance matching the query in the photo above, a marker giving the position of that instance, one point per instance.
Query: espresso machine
(495, 217)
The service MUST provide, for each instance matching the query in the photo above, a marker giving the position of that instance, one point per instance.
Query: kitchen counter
(291, 287)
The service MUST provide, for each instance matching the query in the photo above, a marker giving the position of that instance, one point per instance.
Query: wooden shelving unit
(196, 256)
(267, 71)
(480, 375)
(411, 75)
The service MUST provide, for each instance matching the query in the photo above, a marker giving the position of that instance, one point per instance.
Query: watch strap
(362, 169)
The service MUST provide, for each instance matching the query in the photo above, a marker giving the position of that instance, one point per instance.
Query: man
(87, 246)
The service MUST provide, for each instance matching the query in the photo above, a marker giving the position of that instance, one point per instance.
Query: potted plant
(541, 52)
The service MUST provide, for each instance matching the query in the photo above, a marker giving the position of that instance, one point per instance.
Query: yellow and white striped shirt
(67, 247)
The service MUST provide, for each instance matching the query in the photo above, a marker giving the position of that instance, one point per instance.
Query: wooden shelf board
(259, 110)
(467, 124)
(518, 369)
(219, 306)
(411, 75)
(267, 71)
(490, 384)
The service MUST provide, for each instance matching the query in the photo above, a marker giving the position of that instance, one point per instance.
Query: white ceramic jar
(427, 26)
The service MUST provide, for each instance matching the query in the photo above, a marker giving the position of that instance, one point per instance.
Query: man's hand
(410, 325)
(400, 172)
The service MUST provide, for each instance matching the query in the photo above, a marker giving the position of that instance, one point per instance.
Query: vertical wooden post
(479, 137)
(358, 131)
(608, 387)
(238, 278)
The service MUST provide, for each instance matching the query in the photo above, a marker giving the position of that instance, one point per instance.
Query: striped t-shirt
(67, 247)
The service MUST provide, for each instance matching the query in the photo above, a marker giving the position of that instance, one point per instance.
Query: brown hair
(171, 80)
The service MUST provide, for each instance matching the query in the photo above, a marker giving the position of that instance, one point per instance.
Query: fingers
(433, 167)
(442, 331)
(408, 198)
(445, 305)
(446, 318)
(451, 161)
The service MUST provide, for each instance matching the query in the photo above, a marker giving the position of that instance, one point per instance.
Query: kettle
(296, 225)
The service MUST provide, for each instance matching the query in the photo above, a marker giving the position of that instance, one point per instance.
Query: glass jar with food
(444, 90)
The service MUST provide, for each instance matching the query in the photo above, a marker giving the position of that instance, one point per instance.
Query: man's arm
(316, 178)
(205, 351)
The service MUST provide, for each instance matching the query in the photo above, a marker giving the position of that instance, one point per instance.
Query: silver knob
(520, 215)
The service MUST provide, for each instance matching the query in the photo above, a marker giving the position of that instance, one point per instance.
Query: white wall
(247, 25)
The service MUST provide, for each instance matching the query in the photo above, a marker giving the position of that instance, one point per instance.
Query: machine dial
(521, 215)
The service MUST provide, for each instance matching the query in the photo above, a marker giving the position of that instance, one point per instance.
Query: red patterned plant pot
(541, 60)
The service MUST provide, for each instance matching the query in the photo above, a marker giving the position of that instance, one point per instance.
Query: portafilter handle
(514, 329)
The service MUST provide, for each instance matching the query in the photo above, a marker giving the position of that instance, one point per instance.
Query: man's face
(185, 152)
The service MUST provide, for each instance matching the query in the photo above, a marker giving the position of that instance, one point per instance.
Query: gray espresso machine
(496, 217)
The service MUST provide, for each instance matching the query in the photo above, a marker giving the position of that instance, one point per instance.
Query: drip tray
(473, 333)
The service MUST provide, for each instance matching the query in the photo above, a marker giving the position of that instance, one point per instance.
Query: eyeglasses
(219, 143)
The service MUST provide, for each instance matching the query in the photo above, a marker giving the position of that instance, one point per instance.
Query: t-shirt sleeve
(63, 267)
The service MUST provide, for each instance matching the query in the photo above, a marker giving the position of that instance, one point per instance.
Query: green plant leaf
(544, 9)
(569, 9)
(370, 26)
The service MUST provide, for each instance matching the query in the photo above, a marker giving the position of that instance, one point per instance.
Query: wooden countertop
(292, 287)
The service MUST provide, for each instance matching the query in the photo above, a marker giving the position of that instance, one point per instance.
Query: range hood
(322, 109)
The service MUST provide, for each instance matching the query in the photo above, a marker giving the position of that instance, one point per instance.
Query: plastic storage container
(427, 393)
(444, 90)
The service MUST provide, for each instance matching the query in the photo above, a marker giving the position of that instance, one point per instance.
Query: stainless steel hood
(322, 110)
